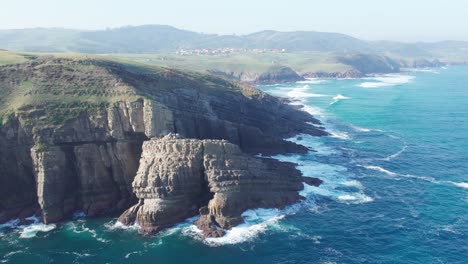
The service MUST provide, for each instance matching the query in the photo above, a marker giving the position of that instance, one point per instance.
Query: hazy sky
(404, 20)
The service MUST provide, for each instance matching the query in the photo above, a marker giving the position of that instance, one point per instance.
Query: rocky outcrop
(279, 74)
(422, 63)
(60, 152)
(178, 178)
(339, 75)
(370, 63)
(272, 75)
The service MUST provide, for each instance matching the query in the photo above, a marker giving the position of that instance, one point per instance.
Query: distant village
(223, 51)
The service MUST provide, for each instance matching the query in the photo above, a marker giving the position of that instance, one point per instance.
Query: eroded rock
(179, 178)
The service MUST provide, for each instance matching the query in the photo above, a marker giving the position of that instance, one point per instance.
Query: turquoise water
(395, 191)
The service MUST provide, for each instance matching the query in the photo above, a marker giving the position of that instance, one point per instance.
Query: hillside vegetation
(160, 38)
(49, 90)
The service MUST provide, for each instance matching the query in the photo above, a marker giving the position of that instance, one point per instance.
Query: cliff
(72, 129)
(272, 75)
(178, 178)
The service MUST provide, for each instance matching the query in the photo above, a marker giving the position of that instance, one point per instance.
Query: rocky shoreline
(179, 178)
(88, 159)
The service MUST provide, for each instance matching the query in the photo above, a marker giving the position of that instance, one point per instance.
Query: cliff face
(273, 75)
(72, 131)
(179, 177)
(87, 164)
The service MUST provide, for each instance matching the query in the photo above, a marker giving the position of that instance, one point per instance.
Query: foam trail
(301, 92)
(386, 81)
(32, 230)
(119, 225)
(360, 129)
(459, 184)
(78, 229)
(132, 253)
(396, 154)
(340, 135)
(463, 185)
(339, 97)
(256, 221)
(353, 183)
(380, 169)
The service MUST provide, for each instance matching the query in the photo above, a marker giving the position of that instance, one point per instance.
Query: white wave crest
(355, 198)
(460, 184)
(132, 253)
(119, 225)
(28, 231)
(340, 135)
(79, 227)
(256, 221)
(353, 183)
(386, 80)
(360, 129)
(32, 230)
(396, 154)
(338, 98)
(463, 185)
(301, 93)
(380, 169)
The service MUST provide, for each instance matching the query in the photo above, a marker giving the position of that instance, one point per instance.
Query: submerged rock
(179, 178)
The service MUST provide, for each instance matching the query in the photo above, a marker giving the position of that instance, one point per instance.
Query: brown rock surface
(178, 178)
(62, 152)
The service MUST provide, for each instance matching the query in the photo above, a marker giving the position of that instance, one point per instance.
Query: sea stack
(179, 178)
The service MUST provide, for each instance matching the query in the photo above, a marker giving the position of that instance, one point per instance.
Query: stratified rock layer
(178, 178)
(71, 131)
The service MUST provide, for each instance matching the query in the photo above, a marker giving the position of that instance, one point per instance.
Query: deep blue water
(395, 191)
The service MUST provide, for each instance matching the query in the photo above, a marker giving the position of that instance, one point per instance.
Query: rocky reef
(178, 178)
(72, 130)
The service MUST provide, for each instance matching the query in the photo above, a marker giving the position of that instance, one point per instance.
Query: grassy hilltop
(50, 89)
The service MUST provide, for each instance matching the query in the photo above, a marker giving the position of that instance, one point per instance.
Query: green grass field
(242, 62)
(55, 88)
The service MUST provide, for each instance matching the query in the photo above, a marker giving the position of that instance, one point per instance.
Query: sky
(399, 20)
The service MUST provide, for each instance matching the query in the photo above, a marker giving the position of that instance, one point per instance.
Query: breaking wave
(338, 98)
(32, 230)
(380, 169)
(79, 227)
(386, 81)
(28, 231)
(388, 158)
(300, 93)
(395, 175)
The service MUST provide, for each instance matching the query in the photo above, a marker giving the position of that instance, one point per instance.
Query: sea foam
(380, 169)
(386, 81)
(301, 93)
(32, 230)
(338, 98)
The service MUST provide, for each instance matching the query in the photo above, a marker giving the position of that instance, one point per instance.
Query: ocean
(395, 172)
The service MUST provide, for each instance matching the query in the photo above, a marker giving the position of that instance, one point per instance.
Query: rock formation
(178, 178)
(272, 75)
(71, 131)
